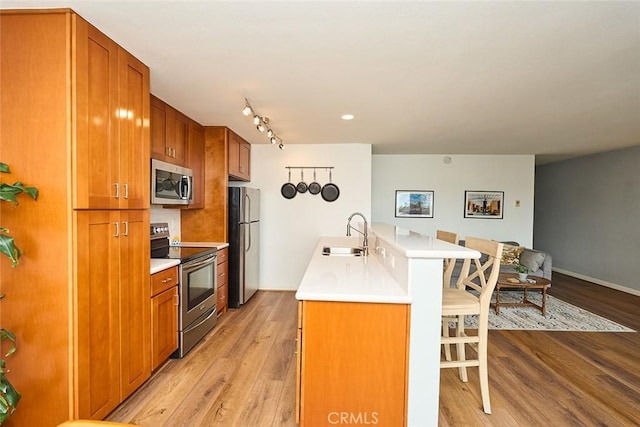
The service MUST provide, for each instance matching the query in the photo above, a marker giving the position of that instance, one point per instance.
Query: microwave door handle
(189, 187)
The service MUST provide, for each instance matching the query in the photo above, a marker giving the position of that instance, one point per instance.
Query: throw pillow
(510, 254)
(532, 259)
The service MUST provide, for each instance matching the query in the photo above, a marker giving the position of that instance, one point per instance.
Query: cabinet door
(97, 324)
(196, 163)
(164, 326)
(177, 136)
(133, 125)
(233, 142)
(370, 342)
(245, 160)
(158, 126)
(135, 305)
(239, 157)
(95, 144)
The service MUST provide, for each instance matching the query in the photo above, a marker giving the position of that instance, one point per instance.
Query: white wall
(290, 228)
(513, 174)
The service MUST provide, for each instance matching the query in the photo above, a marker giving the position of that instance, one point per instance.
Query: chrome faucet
(365, 240)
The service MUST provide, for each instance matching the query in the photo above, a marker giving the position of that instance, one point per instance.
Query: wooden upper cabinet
(133, 104)
(239, 157)
(196, 163)
(111, 144)
(158, 129)
(169, 133)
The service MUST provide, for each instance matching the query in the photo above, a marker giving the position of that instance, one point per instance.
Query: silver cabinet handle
(167, 280)
(126, 228)
(117, 196)
(126, 191)
(117, 224)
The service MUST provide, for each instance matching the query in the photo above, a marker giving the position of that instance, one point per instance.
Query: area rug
(560, 316)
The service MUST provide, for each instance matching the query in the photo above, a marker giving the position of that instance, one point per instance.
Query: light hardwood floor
(243, 374)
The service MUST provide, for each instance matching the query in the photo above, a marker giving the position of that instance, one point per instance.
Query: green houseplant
(522, 270)
(9, 396)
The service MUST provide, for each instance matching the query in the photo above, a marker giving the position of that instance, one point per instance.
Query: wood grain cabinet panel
(74, 123)
(239, 157)
(163, 280)
(353, 360)
(113, 325)
(223, 281)
(169, 133)
(164, 326)
(196, 163)
(112, 137)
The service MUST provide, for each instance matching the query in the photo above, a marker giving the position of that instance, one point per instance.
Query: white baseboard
(599, 281)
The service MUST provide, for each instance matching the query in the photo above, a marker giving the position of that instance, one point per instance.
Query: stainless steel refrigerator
(244, 244)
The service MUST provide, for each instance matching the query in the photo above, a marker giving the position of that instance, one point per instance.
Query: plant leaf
(4, 168)
(8, 248)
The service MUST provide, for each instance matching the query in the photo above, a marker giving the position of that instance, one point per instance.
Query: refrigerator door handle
(247, 218)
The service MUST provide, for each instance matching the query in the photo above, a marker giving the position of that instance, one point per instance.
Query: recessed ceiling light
(347, 117)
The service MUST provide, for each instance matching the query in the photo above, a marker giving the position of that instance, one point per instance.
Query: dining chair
(449, 263)
(448, 266)
(461, 302)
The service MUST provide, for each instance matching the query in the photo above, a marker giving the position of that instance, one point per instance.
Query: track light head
(269, 133)
(281, 146)
(260, 128)
(256, 120)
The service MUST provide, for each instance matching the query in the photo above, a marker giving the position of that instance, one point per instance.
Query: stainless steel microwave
(170, 184)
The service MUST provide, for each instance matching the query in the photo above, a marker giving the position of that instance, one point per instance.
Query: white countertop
(158, 265)
(219, 245)
(348, 279)
(366, 279)
(416, 245)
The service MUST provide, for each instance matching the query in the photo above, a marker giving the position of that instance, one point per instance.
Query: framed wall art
(414, 204)
(484, 204)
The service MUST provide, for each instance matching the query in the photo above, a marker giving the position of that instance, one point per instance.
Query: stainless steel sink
(341, 251)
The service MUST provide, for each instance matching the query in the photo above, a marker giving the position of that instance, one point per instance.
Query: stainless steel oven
(197, 290)
(198, 299)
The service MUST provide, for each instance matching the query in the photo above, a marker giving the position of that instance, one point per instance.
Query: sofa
(539, 263)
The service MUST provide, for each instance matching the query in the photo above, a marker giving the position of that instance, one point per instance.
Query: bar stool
(459, 302)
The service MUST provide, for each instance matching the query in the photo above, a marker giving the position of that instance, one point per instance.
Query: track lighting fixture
(262, 124)
(247, 111)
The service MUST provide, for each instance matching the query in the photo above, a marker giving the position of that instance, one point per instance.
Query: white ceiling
(554, 79)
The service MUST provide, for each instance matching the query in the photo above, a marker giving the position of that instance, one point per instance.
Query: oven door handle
(209, 260)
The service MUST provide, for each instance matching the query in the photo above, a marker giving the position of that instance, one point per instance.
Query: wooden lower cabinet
(223, 281)
(113, 324)
(352, 363)
(164, 325)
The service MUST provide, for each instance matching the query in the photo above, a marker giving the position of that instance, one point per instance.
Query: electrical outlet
(517, 203)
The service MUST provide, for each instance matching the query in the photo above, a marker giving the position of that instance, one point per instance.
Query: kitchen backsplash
(170, 216)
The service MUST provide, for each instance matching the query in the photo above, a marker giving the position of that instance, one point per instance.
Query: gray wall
(587, 215)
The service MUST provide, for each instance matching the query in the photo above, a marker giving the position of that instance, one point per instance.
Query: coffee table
(541, 284)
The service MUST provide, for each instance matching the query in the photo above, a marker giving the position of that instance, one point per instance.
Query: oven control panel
(159, 230)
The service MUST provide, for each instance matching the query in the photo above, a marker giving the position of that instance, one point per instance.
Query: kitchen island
(378, 318)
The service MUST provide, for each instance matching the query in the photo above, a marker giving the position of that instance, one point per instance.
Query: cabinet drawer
(164, 280)
(222, 255)
(223, 274)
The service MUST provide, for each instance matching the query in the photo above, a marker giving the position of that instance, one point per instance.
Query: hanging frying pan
(330, 191)
(302, 186)
(314, 187)
(288, 190)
